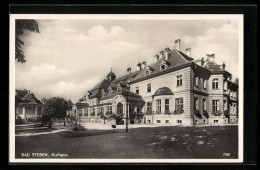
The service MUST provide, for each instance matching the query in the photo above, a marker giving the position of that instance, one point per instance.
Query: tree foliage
(19, 94)
(20, 26)
(55, 107)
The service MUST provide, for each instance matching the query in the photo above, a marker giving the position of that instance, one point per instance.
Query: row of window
(178, 105)
(197, 82)
(167, 121)
(149, 86)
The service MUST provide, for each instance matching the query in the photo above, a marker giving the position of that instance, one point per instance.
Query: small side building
(29, 107)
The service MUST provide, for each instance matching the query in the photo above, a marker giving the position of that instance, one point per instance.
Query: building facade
(175, 90)
(29, 107)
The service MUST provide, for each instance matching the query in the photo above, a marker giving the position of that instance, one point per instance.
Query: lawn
(146, 142)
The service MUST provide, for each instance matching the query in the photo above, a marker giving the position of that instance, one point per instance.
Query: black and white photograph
(126, 88)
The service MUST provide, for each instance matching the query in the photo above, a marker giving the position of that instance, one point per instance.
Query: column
(36, 111)
(23, 111)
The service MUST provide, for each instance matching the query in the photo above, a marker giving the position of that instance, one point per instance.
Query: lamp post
(127, 90)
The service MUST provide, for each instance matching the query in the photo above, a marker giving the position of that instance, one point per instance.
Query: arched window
(215, 84)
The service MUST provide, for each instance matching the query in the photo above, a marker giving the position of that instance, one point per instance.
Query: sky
(69, 57)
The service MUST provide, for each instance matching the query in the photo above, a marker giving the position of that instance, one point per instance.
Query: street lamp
(127, 90)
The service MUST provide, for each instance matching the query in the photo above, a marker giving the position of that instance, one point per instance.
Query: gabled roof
(29, 99)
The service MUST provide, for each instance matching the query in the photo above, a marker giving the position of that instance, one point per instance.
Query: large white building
(175, 90)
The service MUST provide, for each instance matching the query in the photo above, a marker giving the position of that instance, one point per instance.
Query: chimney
(161, 54)
(188, 51)
(211, 57)
(223, 66)
(129, 70)
(177, 44)
(156, 58)
(167, 50)
(140, 66)
(144, 64)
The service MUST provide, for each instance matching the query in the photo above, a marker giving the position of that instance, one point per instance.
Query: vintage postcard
(126, 88)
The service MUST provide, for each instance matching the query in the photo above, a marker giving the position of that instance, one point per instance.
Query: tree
(20, 26)
(70, 104)
(236, 81)
(55, 107)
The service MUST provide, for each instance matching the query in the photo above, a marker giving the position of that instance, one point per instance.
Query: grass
(84, 132)
(144, 143)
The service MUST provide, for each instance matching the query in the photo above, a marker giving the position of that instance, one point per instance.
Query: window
(215, 121)
(225, 85)
(158, 121)
(215, 105)
(149, 106)
(196, 121)
(204, 84)
(118, 89)
(196, 81)
(162, 67)
(196, 103)
(204, 121)
(166, 121)
(158, 106)
(215, 84)
(109, 109)
(204, 104)
(167, 104)
(102, 110)
(178, 103)
(179, 121)
(235, 95)
(149, 87)
(137, 90)
(231, 95)
(179, 80)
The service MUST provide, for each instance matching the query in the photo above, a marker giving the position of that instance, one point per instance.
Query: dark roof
(123, 93)
(29, 99)
(81, 105)
(97, 90)
(111, 74)
(163, 91)
(212, 66)
(175, 59)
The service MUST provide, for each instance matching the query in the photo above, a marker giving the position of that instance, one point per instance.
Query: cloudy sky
(68, 57)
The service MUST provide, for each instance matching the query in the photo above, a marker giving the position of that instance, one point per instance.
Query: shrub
(167, 112)
(206, 114)
(148, 112)
(197, 113)
(112, 116)
(226, 113)
(217, 113)
(179, 111)
(108, 113)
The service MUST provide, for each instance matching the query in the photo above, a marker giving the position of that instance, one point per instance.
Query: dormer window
(137, 90)
(147, 72)
(163, 64)
(149, 88)
(163, 67)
